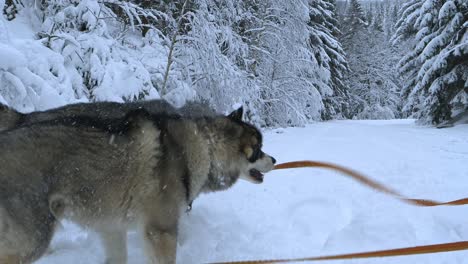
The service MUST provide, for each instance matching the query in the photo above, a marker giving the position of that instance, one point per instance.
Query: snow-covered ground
(308, 212)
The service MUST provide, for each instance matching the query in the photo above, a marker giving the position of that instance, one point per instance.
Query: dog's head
(242, 151)
(255, 161)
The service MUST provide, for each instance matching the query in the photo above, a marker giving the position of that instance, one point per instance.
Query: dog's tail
(9, 118)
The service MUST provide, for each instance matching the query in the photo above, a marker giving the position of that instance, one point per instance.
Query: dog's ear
(237, 114)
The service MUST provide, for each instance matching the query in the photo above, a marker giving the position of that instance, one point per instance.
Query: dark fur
(9, 118)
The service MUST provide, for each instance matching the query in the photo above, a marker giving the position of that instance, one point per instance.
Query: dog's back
(10, 118)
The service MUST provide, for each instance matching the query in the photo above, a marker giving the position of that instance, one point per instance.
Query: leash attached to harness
(426, 249)
(366, 181)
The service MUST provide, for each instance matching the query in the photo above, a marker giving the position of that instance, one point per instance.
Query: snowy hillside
(307, 212)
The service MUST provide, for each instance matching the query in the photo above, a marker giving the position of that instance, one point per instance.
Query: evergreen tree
(437, 67)
(329, 55)
(281, 59)
(354, 19)
(289, 78)
(10, 9)
(390, 18)
(372, 80)
(377, 17)
(206, 56)
(405, 26)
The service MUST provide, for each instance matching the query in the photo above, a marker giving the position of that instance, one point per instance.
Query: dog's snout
(273, 160)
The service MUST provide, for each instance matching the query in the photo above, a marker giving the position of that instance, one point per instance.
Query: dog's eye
(249, 152)
(256, 153)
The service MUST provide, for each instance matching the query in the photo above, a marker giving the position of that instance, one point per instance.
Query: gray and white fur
(108, 175)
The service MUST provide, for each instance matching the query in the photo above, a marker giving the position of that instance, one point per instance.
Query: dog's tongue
(257, 175)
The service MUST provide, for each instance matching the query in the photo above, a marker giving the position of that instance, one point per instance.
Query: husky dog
(10, 118)
(140, 171)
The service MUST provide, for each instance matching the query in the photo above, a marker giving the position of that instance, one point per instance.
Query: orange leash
(436, 248)
(366, 181)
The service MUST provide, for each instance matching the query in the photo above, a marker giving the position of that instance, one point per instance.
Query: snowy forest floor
(307, 212)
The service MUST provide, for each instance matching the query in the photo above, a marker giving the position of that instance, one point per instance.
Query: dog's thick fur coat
(141, 170)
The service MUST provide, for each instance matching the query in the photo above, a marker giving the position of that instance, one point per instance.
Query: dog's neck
(205, 149)
(220, 176)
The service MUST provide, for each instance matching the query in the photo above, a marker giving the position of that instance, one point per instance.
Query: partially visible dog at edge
(137, 169)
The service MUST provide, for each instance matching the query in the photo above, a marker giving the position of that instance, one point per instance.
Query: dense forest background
(287, 62)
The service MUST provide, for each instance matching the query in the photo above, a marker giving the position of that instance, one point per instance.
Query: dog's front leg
(160, 244)
(115, 245)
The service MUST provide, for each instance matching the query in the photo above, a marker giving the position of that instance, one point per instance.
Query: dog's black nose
(273, 160)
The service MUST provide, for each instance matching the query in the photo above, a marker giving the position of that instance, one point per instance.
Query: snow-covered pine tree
(206, 55)
(372, 80)
(390, 17)
(353, 19)
(280, 58)
(377, 16)
(437, 67)
(9, 9)
(256, 53)
(329, 55)
(405, 26)
(287, 77)
(232, 52)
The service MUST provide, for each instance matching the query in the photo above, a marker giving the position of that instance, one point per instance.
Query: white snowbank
(10, 57)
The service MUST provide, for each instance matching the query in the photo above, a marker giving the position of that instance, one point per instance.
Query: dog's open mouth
(256, 175)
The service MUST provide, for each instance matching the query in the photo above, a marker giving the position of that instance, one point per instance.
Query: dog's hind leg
(26, 231)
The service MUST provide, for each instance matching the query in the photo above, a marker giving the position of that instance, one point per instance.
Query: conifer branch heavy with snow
(437, 67)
